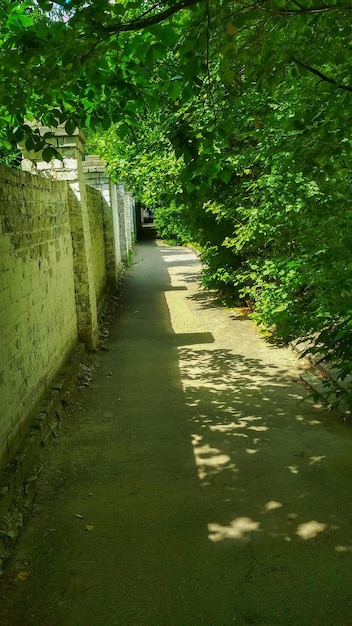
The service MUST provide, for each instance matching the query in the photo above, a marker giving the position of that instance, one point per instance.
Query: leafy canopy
(89, 63)
(231, 118)
(263, 154)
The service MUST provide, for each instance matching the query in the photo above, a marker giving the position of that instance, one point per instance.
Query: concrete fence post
(131, 213)
(116, 225)
(96, 176)
(123, 226)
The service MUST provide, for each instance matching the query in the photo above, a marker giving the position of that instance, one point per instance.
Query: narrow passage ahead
(190, 486)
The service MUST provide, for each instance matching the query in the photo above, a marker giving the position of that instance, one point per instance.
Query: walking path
(191, 486)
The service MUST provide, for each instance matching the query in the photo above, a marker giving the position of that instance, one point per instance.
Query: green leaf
(70, 126)
(169, 36)
(157, 51)
(225, 175)
(45, 5)
(229, 75)
(106, 122)
(48, 154)
(18, 133)
(123, 131)
(30, 143)
(187, 155)
(174, 90)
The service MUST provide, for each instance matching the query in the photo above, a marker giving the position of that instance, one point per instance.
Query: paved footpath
(190, 486)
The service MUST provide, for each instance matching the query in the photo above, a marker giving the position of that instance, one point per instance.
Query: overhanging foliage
(231, 118)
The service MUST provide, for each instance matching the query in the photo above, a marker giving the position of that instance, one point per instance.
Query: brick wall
(61, 242)
(96, 175)
(38, 322)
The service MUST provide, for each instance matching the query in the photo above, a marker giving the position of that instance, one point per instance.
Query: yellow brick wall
(38, 324)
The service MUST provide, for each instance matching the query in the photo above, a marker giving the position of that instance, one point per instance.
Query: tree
(231, 117)
(86, 63)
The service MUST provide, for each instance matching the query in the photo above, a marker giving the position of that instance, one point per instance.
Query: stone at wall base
(18, 479)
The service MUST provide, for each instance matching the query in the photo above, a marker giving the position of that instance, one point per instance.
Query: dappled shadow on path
(206, 300)
(264, 452)
(274, 471)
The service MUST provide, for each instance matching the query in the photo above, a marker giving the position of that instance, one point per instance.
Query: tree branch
(139, 24)
(157, 5)
(322, 76)
(308, 10)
